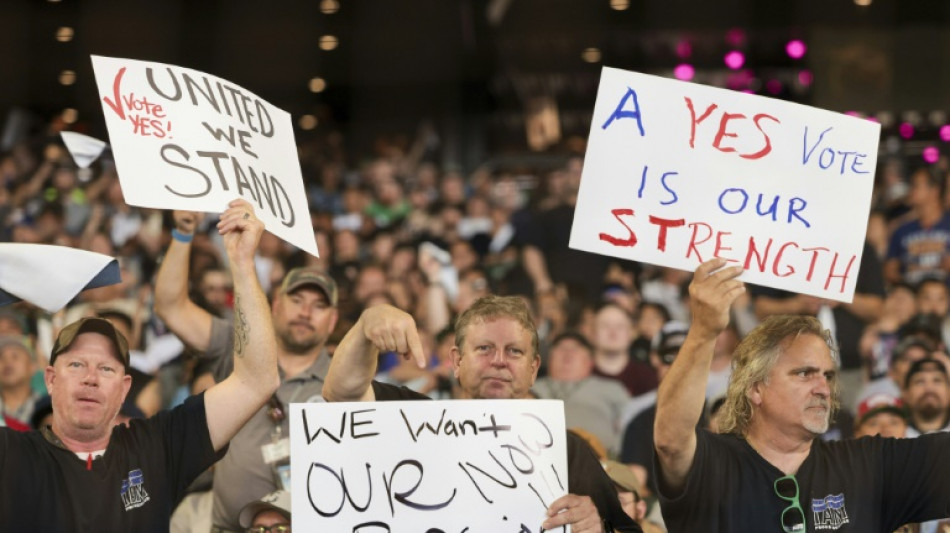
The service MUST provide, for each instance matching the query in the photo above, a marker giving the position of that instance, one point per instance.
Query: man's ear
(755, 393)
(126, 386)
(49, 374)
(456, 360)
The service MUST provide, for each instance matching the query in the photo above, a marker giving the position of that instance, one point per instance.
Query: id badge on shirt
(276, 451)
(277, 455)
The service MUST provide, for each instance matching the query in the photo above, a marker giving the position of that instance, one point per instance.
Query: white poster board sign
(426, 466)
(677, 173)
(183, 139)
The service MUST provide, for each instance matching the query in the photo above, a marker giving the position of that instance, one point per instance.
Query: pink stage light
(945, 133)
(734, 60)
(684, 49)
(906, 130)
(931, 154)
(773, 86)
(805, 77)
(684, 72)
(796, 49)
(735, 37)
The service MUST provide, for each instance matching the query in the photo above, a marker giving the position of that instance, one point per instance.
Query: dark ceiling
(471, 65)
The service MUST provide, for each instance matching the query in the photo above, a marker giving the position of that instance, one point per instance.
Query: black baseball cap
(926, 364)
(91, 325)
(670, 340)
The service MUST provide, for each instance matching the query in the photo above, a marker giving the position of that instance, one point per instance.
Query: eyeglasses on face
(793, 516)
(277, 528)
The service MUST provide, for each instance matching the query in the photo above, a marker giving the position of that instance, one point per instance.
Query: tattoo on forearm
(241, 329)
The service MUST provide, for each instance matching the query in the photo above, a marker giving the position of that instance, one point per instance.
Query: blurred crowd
(400, 228)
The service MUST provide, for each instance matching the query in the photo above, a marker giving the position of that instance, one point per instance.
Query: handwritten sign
(678, 173)
(183, 139)
(427, 467)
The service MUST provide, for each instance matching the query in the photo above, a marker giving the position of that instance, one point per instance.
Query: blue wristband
(181, 237)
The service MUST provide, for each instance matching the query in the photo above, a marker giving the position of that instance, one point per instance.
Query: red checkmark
(117, 105)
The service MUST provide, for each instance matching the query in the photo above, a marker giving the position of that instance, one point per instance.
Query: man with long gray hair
(767, 471)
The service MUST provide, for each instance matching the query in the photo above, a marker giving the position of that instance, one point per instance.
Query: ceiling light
(64, 34)
(307, 122)
(69, 115)
(329, 7)
(620, 5)
(328, 42)
(591, 55)
(67, 77)
(317, 85)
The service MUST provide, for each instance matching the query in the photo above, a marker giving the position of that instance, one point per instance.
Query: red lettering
(844, 277)
(664, 223)
(694, 121)
(717, 142)
(814, 258)
(139, 125)
(148, 127)
(693, 242)
(768, 143)
(116, 104)
(778, 259)
(720, 247)
(759, 260)
(630, 241)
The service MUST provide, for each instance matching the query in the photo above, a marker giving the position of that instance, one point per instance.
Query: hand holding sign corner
(187, 140)
(678, 173)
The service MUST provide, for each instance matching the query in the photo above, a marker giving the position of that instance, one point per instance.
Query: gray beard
(818, 428)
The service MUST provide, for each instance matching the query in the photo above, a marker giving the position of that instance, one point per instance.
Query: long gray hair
(756, 356)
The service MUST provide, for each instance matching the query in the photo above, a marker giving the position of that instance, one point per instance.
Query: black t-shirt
(585, 476)
(868, 485)
(550, 231)
(637, 445)
(134, 486)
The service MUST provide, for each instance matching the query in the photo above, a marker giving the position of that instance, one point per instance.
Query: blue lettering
(806, 153)
(621, 113)
(857, 162)
(821, 158)
(643, 181)
(771, 210)
(844, 159)
(745, 200)
(795, 206)
(668, 189)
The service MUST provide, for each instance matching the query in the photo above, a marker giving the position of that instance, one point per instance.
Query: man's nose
(498, 358)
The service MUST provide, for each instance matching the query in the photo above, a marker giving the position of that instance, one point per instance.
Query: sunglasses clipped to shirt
(793, 517)
(280, 528)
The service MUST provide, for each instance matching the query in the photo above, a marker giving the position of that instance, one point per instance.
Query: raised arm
(379, 328)
(184, 318)
(681, 395)
(231, 403)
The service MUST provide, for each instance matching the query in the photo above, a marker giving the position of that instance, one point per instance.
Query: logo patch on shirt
(829, 512)
(133, 490)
